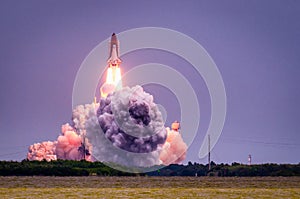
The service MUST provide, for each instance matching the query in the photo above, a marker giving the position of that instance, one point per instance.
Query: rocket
(114, 71)
(114, 59)
(113, 76)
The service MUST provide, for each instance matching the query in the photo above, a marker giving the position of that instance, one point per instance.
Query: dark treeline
(57, 168)
(84, 168)
(235, 169)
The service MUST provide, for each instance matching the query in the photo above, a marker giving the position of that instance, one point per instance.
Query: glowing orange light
(114, 76)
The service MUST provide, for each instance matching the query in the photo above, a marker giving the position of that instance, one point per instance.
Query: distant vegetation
(84, 168)
(235, 169)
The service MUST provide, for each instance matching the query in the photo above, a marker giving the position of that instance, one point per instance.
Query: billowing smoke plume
(128, 129)
(68, 144)
(42, 151)
(125, 128)
(174, 149)
(131, 121)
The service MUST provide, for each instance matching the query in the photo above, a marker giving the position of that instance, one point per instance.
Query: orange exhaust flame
(113, 81)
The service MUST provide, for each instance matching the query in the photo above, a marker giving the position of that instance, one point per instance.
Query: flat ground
(149, 187)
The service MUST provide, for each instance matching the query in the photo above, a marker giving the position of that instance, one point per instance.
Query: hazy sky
(255, 45)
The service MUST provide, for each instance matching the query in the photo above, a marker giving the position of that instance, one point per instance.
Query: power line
(15, 153)
(235, 140)
(10, 147)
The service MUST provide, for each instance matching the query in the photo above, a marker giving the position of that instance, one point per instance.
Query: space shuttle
(113, 75)
(114, 60)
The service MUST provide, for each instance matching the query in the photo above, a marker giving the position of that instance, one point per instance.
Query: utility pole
(209, 166)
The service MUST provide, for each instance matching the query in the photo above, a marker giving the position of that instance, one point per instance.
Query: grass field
(149, 187)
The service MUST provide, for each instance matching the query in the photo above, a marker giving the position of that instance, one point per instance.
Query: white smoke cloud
(128, 129)
(125, 128)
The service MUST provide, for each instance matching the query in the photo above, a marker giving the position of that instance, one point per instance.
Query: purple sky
(255, 45)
